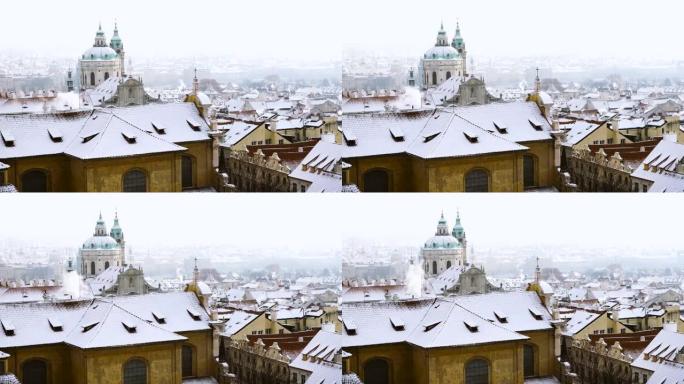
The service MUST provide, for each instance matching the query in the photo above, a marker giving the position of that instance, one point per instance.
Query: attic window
(472, 327)
(8, 327)
(349, 326)
(194, 314)
(159, 317)
(501, 317)
(56, 324)
(194, 125)
(349, 137)
(535, 124)
(7, 137)
(471, 136)
(536, 314)
(130, 327)
(397, 323)
(89, 326)
(88, 138)
(397, 133)
(430, 137)
(501, 127)
(55, 134)
(159, 128)
(427, 327)
(130, 137)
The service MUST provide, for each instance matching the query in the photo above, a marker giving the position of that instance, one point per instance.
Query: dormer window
(7, 137)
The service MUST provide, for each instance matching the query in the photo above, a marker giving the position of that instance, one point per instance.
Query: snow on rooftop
(125, 320)
(579, 320)
(113, 132)
(429, 323)
(661, 348)
(662, 167)
(318, 358)
(318, 168)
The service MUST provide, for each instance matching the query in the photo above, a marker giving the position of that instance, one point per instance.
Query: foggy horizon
(268, 29)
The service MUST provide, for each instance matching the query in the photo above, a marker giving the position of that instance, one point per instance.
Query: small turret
(442, 39)
(100, 38)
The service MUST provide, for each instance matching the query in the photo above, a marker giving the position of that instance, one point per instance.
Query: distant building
(443, 61)
(444, 250)
(102, 250)
(102, 61)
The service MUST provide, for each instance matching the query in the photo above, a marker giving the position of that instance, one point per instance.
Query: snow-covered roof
(523, 120)
(237, 321)
(236, 131)
(425, 134)
(579, 320)
(318, 168)
(515, 311)
(429, 323)
(577, 131)
(445, 280)
(668, 373)
(660, 167)
(112, 132)
(42, 103)
(318, 357)
(664, 346)
(103, 322)
(182, 311)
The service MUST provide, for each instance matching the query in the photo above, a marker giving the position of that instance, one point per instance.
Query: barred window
(135, 372)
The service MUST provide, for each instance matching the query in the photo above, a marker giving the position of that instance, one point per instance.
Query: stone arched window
(376, 371)
(34, 371)
(92, 267)
(135, 371)
(187, 361)
(434, 267)
(92, 78)
(135, 181)
(434, 78)
(34, 181)
(376, 180)
(477, 372)
(448, 75)
(448, 264)
(477, 180)
(106, 265)
(106, 75)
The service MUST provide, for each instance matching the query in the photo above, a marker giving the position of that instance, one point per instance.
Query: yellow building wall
(544, 152)
(413, 174)
(261, 323)
(544, 341)
(106, 175)
(202, 341)
(260, 134)
(57, 356)
(56, 166)
(414, 365)
(448, 175)
(201, 152)
(602, 133)
(602, 323)
(105, 366)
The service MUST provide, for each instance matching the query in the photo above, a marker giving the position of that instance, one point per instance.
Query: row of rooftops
(446, 132)
(97, 323)
(103, 133)
(445, 322)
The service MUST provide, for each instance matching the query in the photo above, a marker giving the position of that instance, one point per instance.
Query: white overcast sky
(323, 221)
(244, 220)
(311, 29)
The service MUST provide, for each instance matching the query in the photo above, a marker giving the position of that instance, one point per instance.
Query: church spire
(537, 273)
(195, 84)
(195, 273)
(537, 83)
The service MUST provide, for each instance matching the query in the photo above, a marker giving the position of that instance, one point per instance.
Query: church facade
(103, 249)
(102, 61)
(442, 62)
(444, 250)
